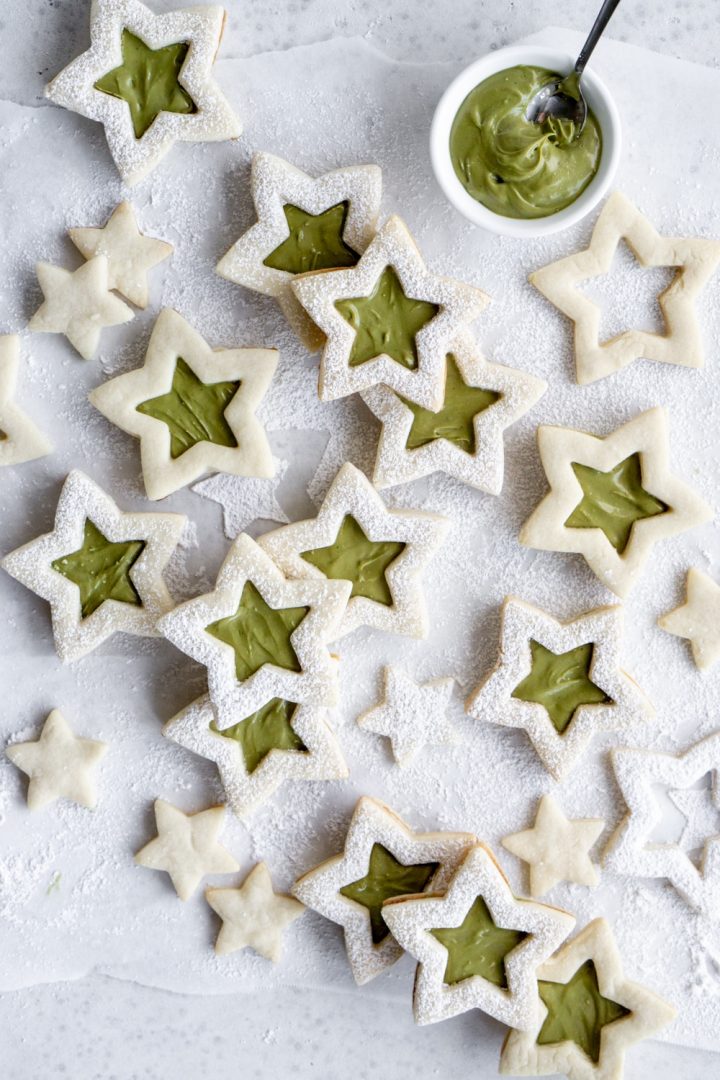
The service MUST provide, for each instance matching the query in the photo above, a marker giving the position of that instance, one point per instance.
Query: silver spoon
(563, 98)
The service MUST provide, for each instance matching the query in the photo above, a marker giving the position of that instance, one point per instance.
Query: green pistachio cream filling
(149, 81)
(385, 879)
(477, 947)
(352, 557)
(270, 728)
(577, 1012)
(194, 411)
(259, 634)
(315, 241)
(455, 420)
(561, 683)
(613, 501)
(514, 167)
(101, 570)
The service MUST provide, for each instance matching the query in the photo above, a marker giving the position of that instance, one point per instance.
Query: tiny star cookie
(100, 569)
(589, 1013)
(560, 682)
(630, 850)
(278, 743)
(700, 808)
(245, 499)
(130, 254)
(20, 439)
(380, 552)
(698, 619)
(411, 716)
(261, 636)
(382, 858)
(78, 304)
(477, 945)
(192, 407)
(556, 849)
(303, 224)
(253, 916)
(694, 261)
(611, 499)
(387, 320)
(60, 765)
(148, 79)
(186, 847)
(464, 438)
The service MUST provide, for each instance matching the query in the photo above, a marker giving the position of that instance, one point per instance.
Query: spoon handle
(604, 16)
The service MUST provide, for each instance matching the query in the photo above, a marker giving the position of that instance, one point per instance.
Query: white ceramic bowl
(599, 100)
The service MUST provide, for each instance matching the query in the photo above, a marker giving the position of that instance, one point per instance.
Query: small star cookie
(442, 932)
(100, 569)
(253, 916)
(411, 716)
(78, 304)
(60, 764)
(556, 849)
(186, 847)
(303, 224)
(382, 858)
(694, 261)
(611, 499)
(192, 407)
(20, 439)
(589, 1013)
(130, 254)
(148, 79)
(387, 320)
(381, 553)
(245, 499)
(698, 619)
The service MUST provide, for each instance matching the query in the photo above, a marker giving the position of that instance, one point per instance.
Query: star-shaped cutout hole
(560, 683)
(315, 241)
(386, 877)
(259, 634)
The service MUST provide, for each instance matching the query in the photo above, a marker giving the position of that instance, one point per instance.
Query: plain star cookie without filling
(186, 847)
(60, 765)
(130, 254)
(127, 552)
(411, 716)
(192, 407)
(132, 47)
(253, 916)
(560, 682)
(633, 463)
(382, 858)
(302, 224)
(383, 553)
(693, 261)
(698, 619)
(245, 499)
(20, 439)
(624, 1012)
(391, 272)
(436, 930)
(556, 848)
(78, 304)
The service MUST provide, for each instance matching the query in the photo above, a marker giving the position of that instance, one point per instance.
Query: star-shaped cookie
(253, 916)
(100, 569)
(78, 304)
(279, 742)
(60, 765)
(260, 635)
(148, 79)
(381, 552)
(20, 439)
(192, 407)
(186, 847)
(303, 224)
(611, 499)
(698, 619)
(382, 858)
(455, 973)
(465, 437)
(694, 261)
(244, 499)
(556, 848)
(387, 320)
(410, 715)
(589, 1013)
(130, 254)
(630, 850)
(701, 810)
(560, 682)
